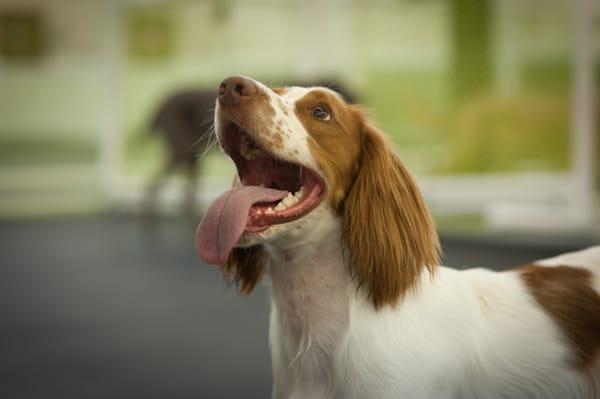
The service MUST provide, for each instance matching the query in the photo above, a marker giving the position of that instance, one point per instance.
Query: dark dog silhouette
(184, 120)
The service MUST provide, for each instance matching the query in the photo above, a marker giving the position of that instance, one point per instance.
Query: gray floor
(97, 307)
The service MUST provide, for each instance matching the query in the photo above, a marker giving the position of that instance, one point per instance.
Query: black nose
(235, 89)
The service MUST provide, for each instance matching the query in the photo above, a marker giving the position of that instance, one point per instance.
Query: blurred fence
(490, 102)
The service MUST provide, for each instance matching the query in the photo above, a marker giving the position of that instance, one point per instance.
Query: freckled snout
(235, 90)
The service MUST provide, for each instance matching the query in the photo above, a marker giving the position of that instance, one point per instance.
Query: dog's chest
(309, 315)
(310, 301)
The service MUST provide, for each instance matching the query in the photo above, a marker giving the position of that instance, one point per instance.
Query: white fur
(461, 334)
(464, 334)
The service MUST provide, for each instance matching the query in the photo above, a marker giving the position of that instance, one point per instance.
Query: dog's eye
(321, 112)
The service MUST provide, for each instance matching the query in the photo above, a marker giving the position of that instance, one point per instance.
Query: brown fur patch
(245, 267)
(277, 141)
(336, 143)
(388, 231)
(566, 293)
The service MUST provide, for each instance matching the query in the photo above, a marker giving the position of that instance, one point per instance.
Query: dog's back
(588, 258)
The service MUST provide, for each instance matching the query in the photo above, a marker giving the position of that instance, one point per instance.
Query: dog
(182, 121)
(360, 306)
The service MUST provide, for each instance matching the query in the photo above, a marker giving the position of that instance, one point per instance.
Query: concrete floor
(97, 307)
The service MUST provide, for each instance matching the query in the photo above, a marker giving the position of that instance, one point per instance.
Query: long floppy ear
(388, 230)
(245, 267)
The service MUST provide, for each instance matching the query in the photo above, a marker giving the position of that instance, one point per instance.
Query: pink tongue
(225, 221)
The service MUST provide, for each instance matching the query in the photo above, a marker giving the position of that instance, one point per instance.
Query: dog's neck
(310, 293)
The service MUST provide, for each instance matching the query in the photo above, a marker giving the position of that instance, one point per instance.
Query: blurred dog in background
(183, 122)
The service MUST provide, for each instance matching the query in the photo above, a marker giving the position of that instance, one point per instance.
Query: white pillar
(109, 91)
(507, 49)
(310, 40)
(583, 146)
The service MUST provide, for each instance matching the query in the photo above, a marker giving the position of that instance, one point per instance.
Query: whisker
(209, 136)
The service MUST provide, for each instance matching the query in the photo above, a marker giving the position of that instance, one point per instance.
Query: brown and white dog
(360, 306)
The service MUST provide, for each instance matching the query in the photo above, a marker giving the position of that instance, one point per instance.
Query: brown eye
(321, 112)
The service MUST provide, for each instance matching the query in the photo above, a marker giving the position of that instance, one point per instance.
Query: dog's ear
(245, 267)
(388, 231)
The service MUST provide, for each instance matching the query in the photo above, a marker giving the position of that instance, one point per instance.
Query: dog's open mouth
(273, 191)
(257, 167)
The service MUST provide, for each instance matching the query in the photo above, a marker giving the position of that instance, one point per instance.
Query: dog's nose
(235, 89)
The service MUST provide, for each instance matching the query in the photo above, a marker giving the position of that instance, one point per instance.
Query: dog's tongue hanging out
(225, 221)
(272, 191)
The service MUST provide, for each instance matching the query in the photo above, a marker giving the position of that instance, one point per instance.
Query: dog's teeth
(280, 205)
(269, 211)
(289, 201)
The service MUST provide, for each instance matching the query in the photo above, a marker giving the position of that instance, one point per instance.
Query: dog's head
(307, 159)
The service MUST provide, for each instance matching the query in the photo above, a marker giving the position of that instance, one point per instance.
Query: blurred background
(105, 116)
